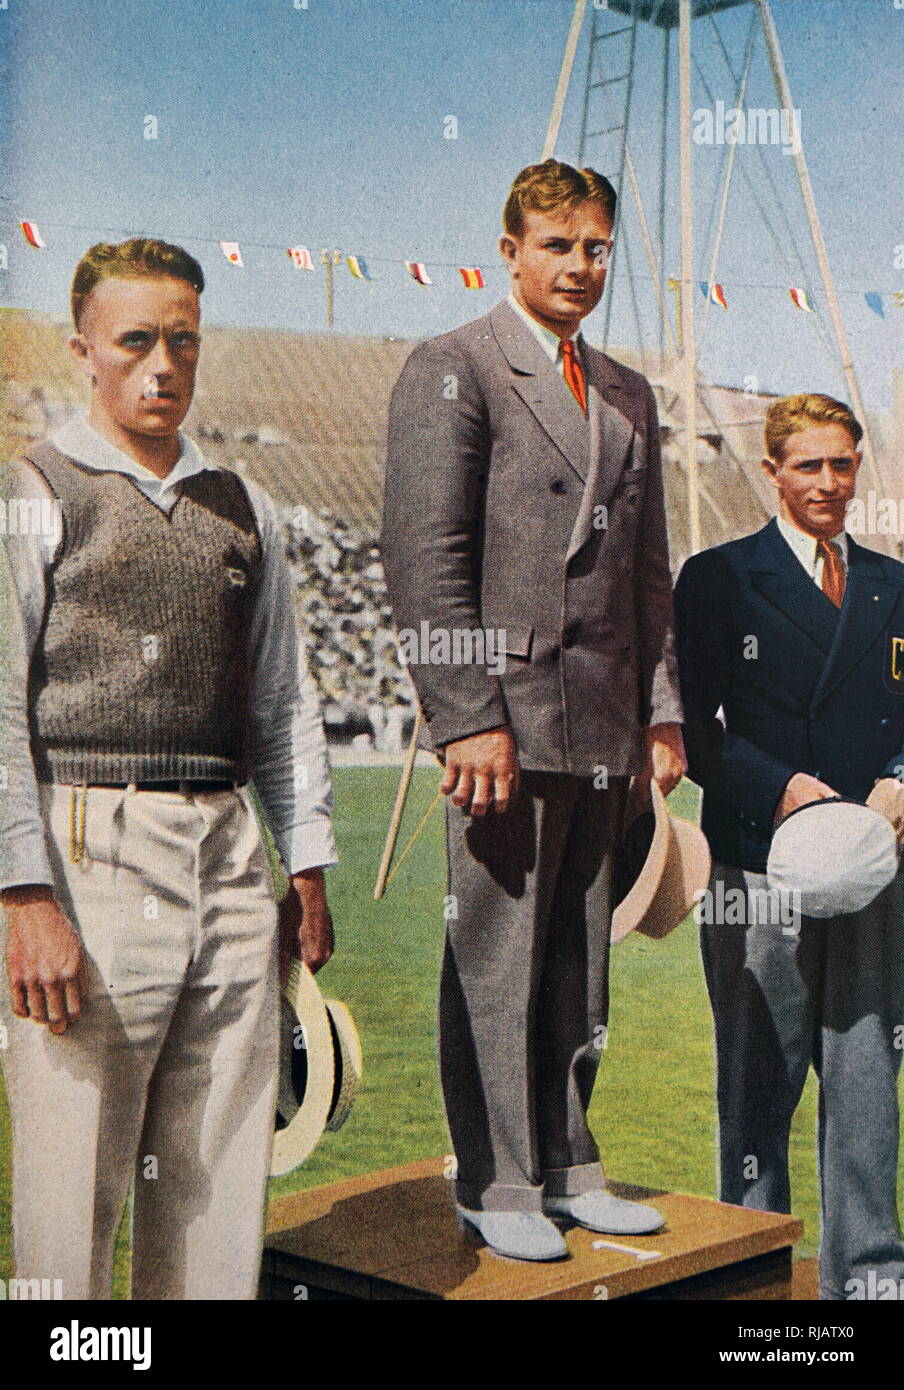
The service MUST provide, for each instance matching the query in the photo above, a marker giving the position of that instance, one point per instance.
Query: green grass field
(653, 1109)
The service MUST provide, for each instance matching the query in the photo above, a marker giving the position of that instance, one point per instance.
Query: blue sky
(324, 126)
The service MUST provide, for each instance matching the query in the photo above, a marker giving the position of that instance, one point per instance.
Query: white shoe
(600, 1211)
(524, 1235)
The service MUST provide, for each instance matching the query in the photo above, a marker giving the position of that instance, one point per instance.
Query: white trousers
(169, 1075)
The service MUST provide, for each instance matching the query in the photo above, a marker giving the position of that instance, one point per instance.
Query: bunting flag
(32, 235)
(301, 257)
(418, 271)
(714, 292)
(473, 278)
(802, 300)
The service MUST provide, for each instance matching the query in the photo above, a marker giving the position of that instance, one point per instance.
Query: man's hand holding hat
(887, 797)
(833, 857)
(665, 763)
(800, 791)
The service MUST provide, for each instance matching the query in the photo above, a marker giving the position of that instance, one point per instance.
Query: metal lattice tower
(605, 142)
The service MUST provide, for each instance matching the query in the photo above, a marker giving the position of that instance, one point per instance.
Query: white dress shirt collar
(550, 342)
(81, 441)
(804, 546)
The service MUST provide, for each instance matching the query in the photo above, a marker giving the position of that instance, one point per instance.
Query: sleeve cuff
(25, 863)
(309, 846)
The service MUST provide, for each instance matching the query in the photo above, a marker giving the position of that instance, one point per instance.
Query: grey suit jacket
(506, 509)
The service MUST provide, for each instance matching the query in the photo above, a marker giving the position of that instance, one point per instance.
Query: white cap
(838, 855)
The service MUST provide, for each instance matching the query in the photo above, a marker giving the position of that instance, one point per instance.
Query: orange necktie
(833, 575)
(574, 373)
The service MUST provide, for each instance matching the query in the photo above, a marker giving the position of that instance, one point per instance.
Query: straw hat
(320, 1069)
(661, 867)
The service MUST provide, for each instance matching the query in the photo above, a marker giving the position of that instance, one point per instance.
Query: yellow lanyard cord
(410, 845)
(77, 840)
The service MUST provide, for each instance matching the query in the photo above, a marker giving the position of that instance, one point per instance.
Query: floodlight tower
(605, 134)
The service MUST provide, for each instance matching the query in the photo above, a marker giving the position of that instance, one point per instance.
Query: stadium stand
(304, 415)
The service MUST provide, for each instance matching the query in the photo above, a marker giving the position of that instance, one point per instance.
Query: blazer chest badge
(894, 664)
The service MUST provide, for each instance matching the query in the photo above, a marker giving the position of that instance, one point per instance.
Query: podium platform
(392, 1235)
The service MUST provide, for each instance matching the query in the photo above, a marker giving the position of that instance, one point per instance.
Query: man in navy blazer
(791, 652)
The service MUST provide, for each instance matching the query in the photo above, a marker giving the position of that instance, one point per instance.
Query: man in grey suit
(524, 510)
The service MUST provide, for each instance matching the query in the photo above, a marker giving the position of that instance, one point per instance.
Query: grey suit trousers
(524, 989)
(832, 995)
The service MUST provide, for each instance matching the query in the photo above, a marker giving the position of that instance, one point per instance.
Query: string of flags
(803, 300)
(800, 298)
(302, 259)
(472, 277)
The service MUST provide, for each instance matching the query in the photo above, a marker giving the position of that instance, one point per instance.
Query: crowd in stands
(344, 612)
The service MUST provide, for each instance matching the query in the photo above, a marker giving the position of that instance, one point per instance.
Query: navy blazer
(803, 686)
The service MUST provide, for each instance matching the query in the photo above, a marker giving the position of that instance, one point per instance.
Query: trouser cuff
(574, 1181)
(499, 1197)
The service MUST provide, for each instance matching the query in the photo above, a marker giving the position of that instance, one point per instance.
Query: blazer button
(883, 722)
(557, 486)
(570, 634)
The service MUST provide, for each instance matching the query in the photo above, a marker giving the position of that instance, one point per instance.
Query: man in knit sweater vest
(154, 670)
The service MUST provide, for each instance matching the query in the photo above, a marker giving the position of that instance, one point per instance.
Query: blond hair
(551, 185)
(135, 259)
(792, 414)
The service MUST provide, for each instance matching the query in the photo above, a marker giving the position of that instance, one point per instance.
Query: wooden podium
(393, 1235)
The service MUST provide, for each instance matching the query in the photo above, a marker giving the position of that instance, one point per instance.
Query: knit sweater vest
(142, 671)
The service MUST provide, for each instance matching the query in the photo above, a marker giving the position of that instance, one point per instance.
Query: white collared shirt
(550, 342)
(806, 548)
(287, 730)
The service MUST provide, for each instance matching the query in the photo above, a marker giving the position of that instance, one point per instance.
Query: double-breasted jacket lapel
(597, 447)
(869, 598)
(612, 441)
(843, 637)
(779, 577)
(536, 380)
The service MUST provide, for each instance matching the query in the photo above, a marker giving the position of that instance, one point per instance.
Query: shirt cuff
(308, 846)
(25, 861)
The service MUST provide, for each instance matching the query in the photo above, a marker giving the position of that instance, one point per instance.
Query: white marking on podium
(627, 1250)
